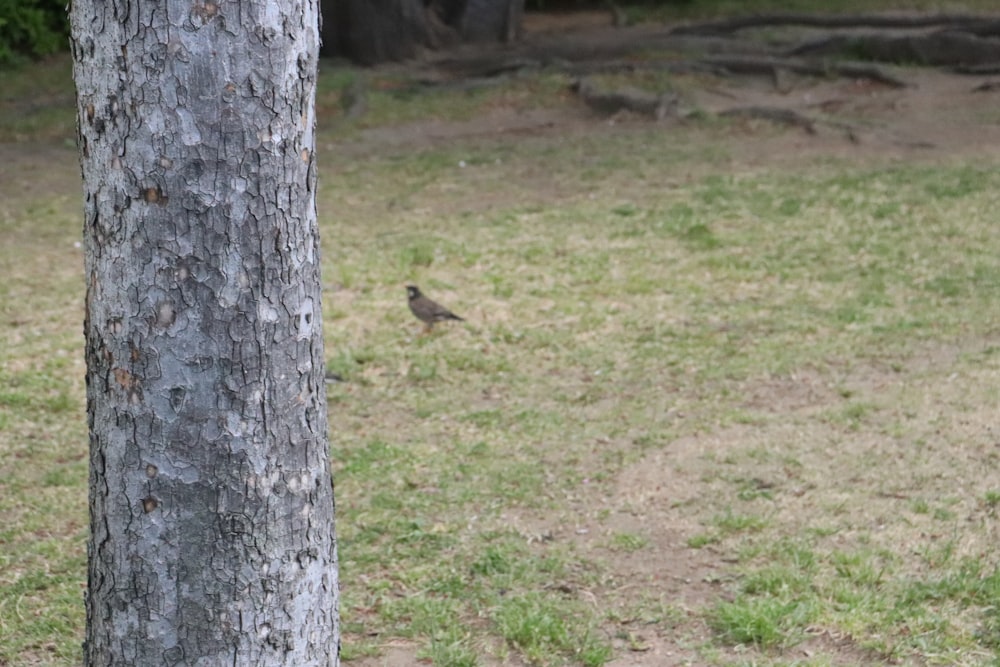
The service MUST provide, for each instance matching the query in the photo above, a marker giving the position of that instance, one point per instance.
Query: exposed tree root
(612, 101)
(946, 48)
(962, 43)
(719, 65)
(609, 102)
(966, 22)
(632, 66)
(774, 115)
(768, 65)
(988, 87)
(980, 70)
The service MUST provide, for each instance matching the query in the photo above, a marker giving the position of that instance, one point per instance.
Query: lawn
(722, 396)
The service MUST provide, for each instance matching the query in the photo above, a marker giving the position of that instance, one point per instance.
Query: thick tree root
(768, 65)
(610, 102)
(946, 48)
(774, 115)
(966, 22)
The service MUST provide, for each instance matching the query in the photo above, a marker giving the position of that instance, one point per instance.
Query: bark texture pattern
(212, 533)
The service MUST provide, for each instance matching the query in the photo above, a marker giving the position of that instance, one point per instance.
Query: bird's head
(412, 292)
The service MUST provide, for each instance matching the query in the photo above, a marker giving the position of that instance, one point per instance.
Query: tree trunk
(375, 31)
(212, 537)
(491, 20)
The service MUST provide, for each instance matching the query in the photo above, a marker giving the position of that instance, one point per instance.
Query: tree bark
(375, 31)
(212, 534)
(491, 20)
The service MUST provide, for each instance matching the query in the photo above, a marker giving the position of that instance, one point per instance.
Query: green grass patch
(764, 622)
(628, 542)
(540, 630)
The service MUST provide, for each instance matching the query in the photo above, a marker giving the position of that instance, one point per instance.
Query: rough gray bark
(212, 536)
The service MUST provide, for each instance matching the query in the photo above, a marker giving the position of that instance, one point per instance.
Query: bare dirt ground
(939, 117)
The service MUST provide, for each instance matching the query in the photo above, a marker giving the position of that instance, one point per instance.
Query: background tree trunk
(212, 537)
(375, 31)
(491, 20)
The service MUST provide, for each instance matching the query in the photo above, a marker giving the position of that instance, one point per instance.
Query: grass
(806, 356)
(584, 294)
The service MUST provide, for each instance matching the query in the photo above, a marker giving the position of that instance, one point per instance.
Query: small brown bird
(428, 311)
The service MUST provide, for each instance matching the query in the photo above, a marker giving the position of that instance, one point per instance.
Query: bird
(426, 310)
